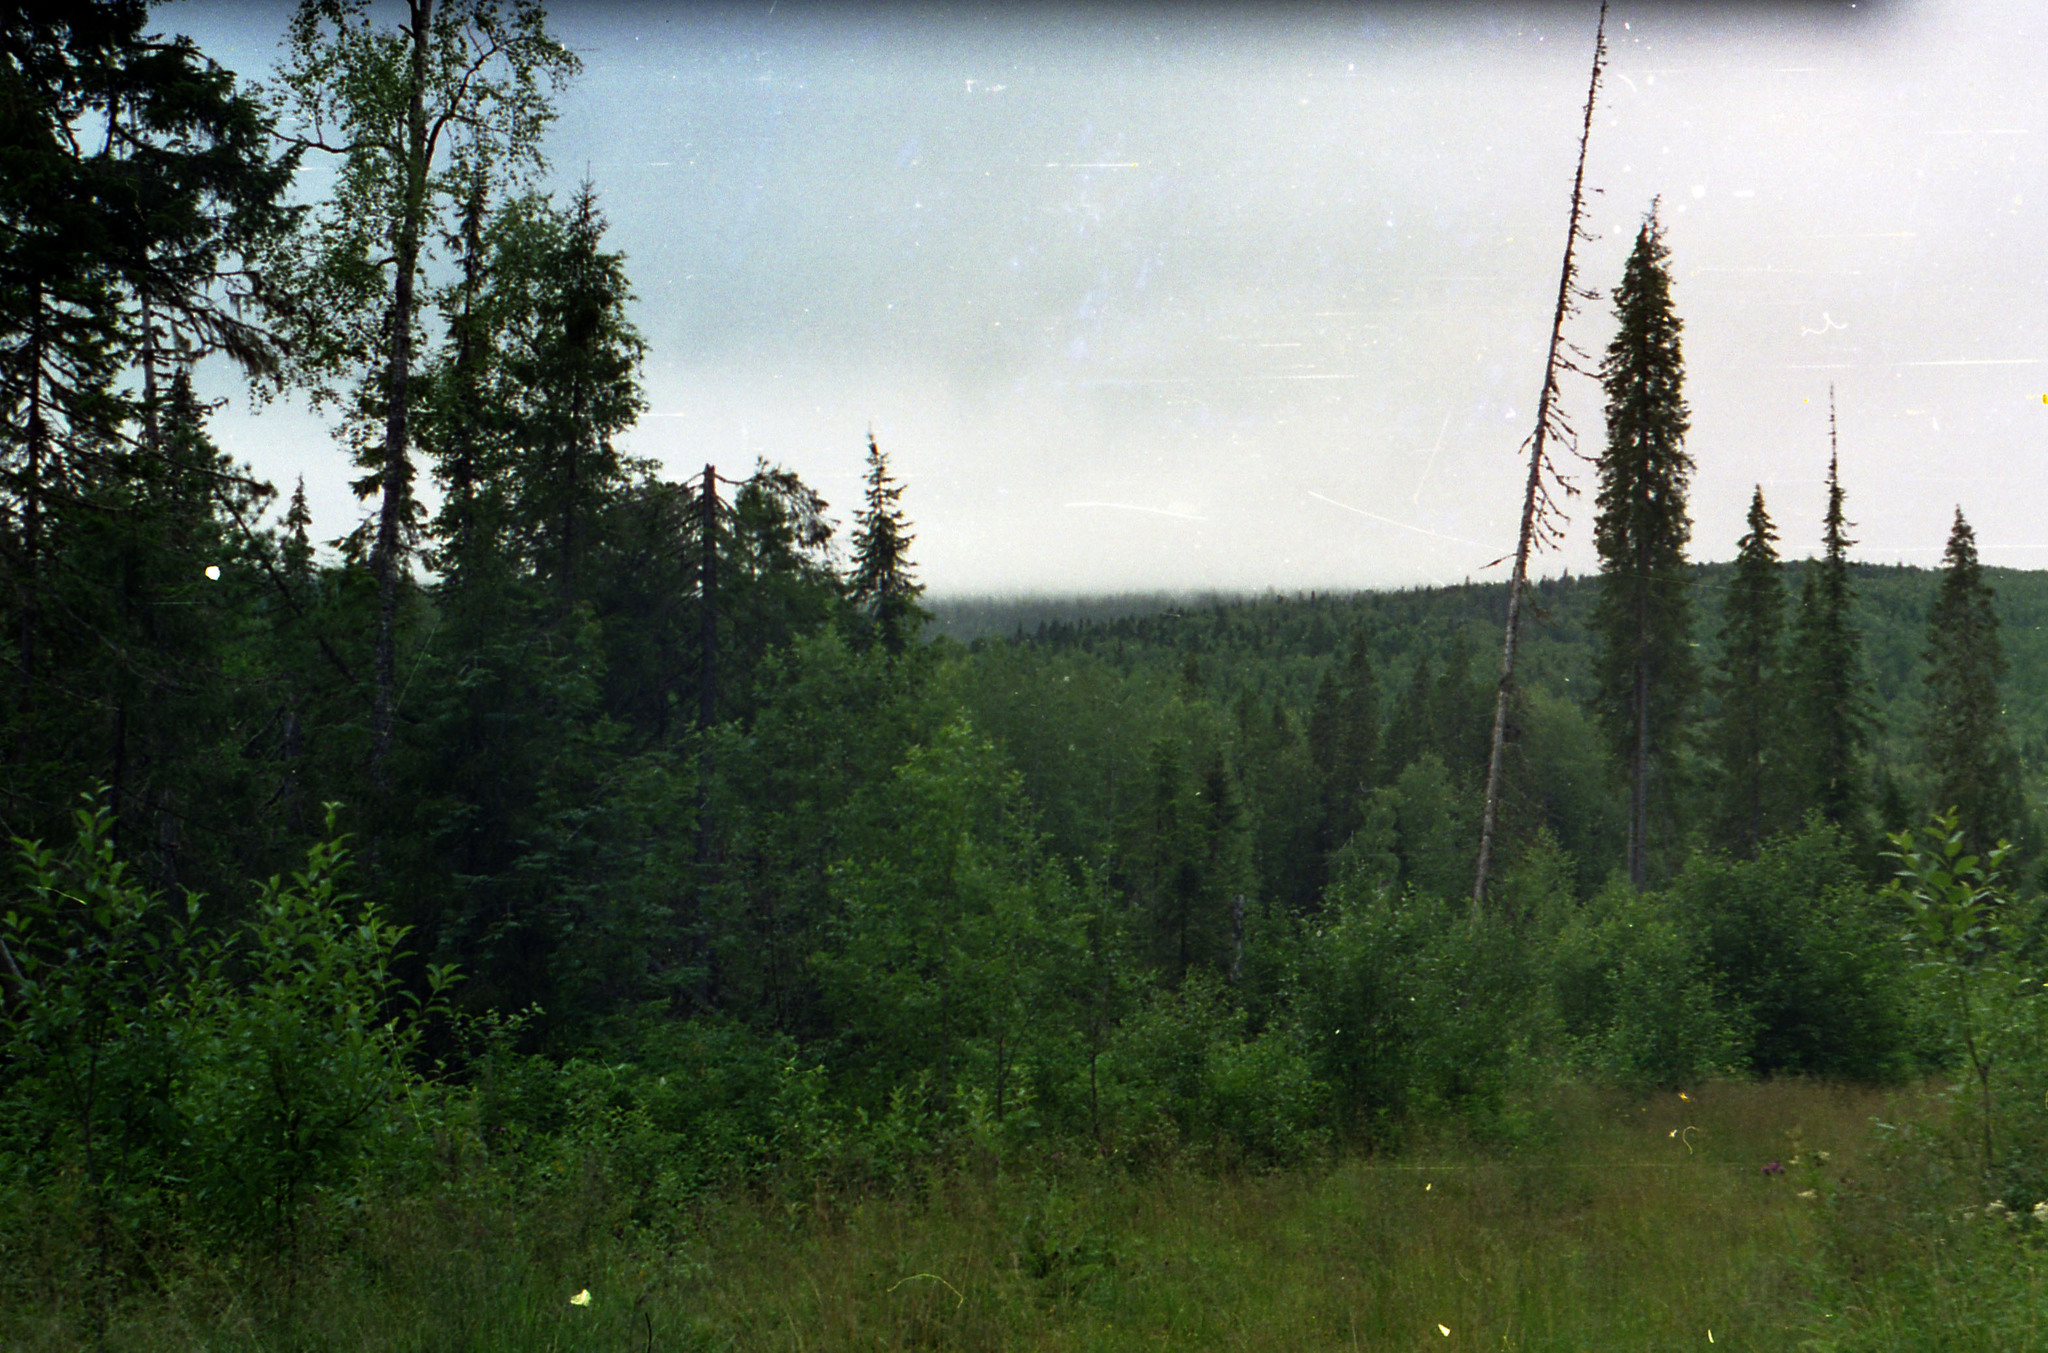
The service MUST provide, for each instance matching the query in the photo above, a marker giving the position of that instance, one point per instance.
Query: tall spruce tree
(1971, 764)
(1747, 741)
(570, 383)
(1643, 620)
(882, 580)
(1832, 718)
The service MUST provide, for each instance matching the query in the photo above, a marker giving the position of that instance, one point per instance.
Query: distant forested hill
(1279, 647)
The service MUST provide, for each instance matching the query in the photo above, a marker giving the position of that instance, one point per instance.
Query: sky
(1190, 298)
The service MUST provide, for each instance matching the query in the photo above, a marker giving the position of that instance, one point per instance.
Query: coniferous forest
(588, 908)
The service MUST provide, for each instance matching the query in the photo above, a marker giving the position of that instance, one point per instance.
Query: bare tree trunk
(1236, 938)
(707, 697)
(1539, 509)
(1639, 782)
(468, 354)
(13, 986)
(31, 525)
(397, 468)
(707, 605)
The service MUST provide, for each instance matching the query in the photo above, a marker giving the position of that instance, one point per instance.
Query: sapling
(1955, 901)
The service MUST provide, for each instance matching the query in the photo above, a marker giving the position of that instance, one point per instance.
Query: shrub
(1410, 1009)
(1633, 995)
(1184, 1069)
(162, 1079)
(1804, 957)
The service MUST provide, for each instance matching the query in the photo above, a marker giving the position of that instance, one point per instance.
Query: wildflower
(1995, 1208)
(1684, 1096)
(1808, 1193)
(2041, 1212)
(1444, 1330)
(1774, 1168)
(581, 1298)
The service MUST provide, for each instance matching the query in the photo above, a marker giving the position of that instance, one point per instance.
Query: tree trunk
(468, 353)
(1639, 782)
(397, 469)
(1537, 506)
(707, 606)
(31, 523)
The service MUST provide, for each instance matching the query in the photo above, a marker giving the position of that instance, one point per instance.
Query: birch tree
(411, 115)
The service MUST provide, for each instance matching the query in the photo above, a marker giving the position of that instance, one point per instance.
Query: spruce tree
(570, 382)
(1746, 740)
(1830, 697)
(1458, 723)
(1343, 743)
(882, 581)
(1410, 730)
(1645, 672)
(1971, 764)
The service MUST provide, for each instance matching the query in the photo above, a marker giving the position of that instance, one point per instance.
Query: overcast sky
(1191, 298)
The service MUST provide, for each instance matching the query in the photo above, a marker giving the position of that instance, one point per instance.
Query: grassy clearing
(1636, 1223)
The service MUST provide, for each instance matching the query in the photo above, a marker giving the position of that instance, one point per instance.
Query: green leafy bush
(1804, 957)
(1987, 998)
(1633, 996)
(157, 1072)
(1411, 1010)
(1185, 1070)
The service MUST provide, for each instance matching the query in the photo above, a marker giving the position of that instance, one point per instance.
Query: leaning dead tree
(1542, 515)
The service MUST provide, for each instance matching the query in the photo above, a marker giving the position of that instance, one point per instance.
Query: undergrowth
(1781, 1215)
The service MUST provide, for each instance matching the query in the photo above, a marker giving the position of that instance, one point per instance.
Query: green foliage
(304, 1043)
(1432, 825)
(159, 1075)
(1969, 759)
(882, 580)
(1411, 1013)
(1747, 739)
(540, 371)
(787, 799)
(1635, 1000)
(1645, 668)
(1830, 702)
(1184, 1069)
(1988, 999)
(413, 115)
(794, 908)
(1185, 854)
(1803, 955)
(1344, 743)
(94, 1059)
(950, 928)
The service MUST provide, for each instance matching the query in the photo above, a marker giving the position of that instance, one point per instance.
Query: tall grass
(1631, 1223)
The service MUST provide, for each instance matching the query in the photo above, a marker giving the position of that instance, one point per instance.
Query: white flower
(2041, 1212)
(581, 1298)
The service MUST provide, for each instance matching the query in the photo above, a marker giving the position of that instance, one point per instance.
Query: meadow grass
(1624, 1223)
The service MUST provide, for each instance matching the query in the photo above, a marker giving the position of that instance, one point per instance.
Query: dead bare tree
(1542, 515)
